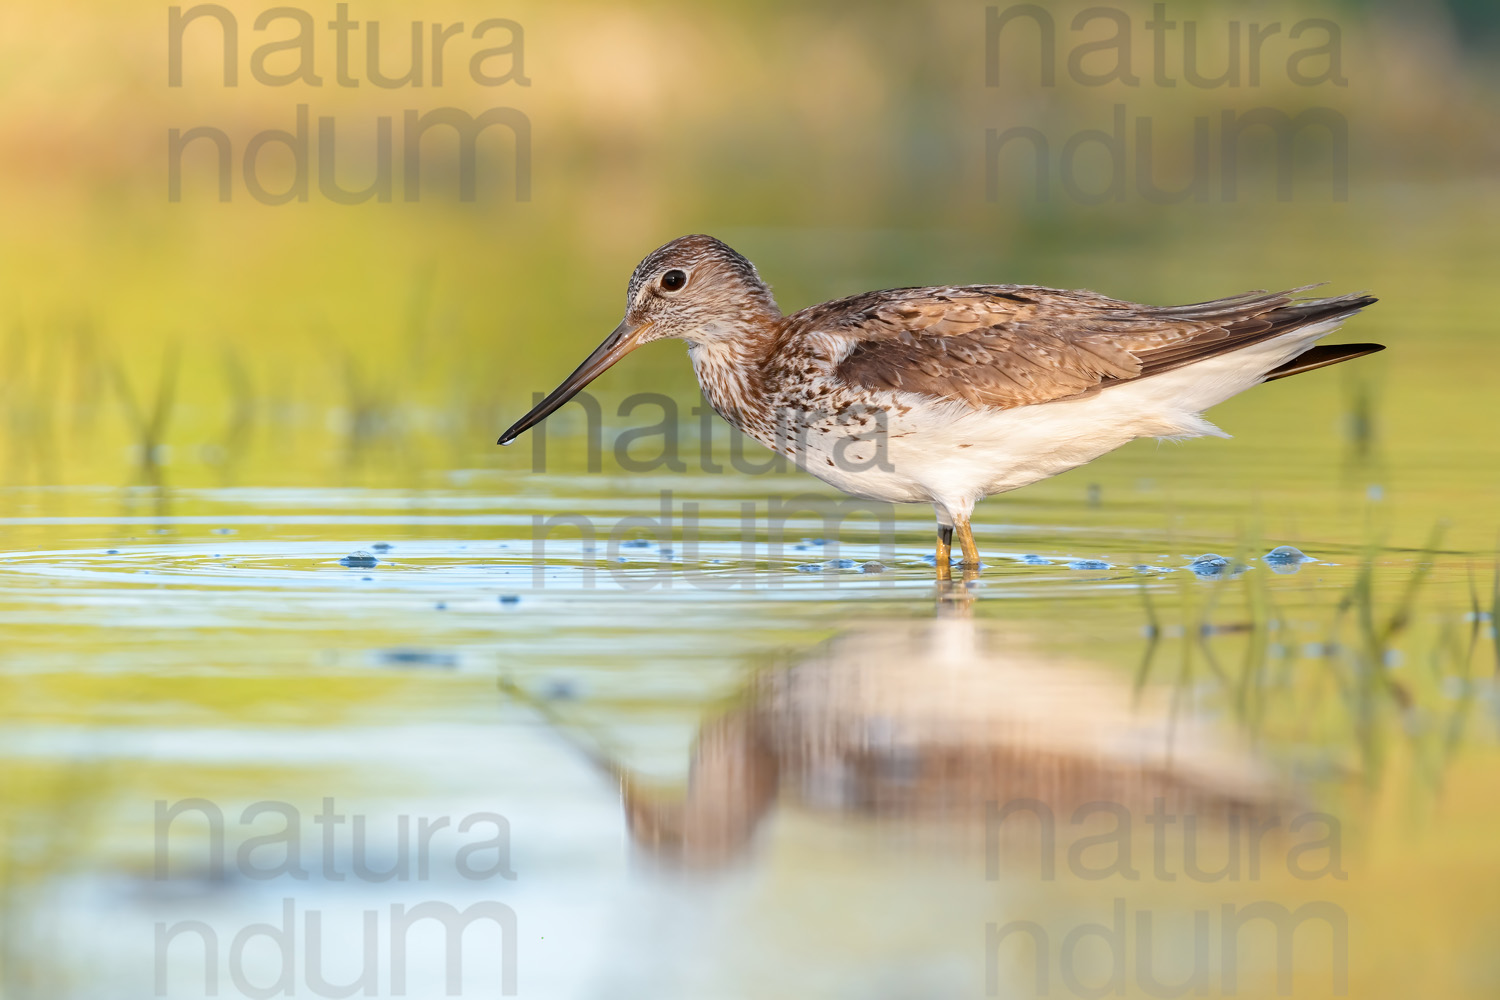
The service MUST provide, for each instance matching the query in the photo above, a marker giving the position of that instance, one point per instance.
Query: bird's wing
(1011, 345)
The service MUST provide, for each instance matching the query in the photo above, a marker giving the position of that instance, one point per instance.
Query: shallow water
(709, 755)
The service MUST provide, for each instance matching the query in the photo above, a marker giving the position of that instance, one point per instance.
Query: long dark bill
(621, 342)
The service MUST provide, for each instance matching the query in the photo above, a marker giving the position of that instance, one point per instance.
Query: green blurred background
(841, 147)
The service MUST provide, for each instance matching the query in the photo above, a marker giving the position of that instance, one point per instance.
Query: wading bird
(946, 395)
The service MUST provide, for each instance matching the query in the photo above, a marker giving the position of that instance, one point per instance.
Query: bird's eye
(673, 280)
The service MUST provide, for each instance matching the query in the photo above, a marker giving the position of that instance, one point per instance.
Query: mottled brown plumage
(1015, 345)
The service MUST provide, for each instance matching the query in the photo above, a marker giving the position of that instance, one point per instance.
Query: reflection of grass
(1395, 668)
(1494, 614)
(372, 413)
(149, 422)
(244, 409)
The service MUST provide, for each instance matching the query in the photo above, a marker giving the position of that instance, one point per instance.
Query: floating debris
(510, 598)
(841, 564)
(809, 567)
(1228, 628)
(560, 689)
(111, 552)
(1211, 564)
(1088, 564)
(637, 543)
(381, 546)
(1286, 559)
(225, 531)
(1031, 559)
(359, 560)
(418, 658)
(441, 606)
(873, 567)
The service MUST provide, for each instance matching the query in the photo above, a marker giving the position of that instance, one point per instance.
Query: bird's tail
(1321, 357)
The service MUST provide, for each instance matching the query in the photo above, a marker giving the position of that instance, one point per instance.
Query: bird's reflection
(924, 726)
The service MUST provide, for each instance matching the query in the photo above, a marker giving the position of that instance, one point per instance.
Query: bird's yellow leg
(966, 542)
(944, 552)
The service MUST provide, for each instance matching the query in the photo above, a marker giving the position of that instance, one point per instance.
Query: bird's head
(695, 288)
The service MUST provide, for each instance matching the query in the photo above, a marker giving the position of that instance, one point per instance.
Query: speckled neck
(730, 374)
